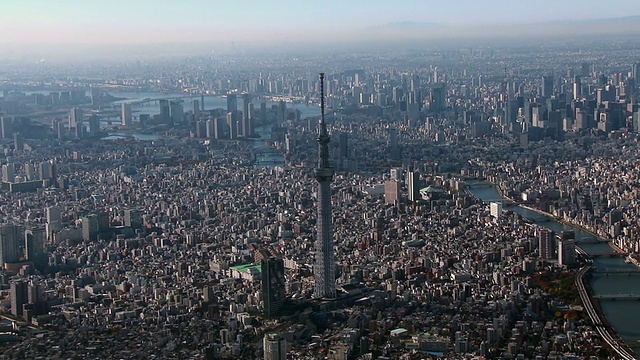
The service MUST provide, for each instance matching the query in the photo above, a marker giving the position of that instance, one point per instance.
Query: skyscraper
(567, 252)
(177, 112)
(11, 241)
(546, 243)
(8, 172)
(196, 109)
(90, 227)
(577, 88)
(18, 141)
(275, 347)
(567, 249)
(413, 185)
(34, 240)
(325, 267)
(273, 285)
(232, 123)
(165, 112)
(247, 128)
(438, 98)
(19, 296)
(547, 86)
(94, 124)
(126, 116)
(75, 117)
(133, 218)
(232, 102)
(6, 126)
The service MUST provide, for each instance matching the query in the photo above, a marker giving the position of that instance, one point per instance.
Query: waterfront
(622, 315)
(210, 102)
(265, 155)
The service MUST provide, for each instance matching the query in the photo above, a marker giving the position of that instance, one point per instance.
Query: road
(604, 330)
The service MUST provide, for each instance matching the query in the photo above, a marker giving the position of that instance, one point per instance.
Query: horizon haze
(69, 28)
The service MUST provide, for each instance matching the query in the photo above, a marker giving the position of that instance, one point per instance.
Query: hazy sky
(156, 21)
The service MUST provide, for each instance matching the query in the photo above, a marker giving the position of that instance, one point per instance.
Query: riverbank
(622, 324)
(606, 331)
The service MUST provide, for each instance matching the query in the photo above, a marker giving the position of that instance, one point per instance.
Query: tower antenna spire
(325, 267)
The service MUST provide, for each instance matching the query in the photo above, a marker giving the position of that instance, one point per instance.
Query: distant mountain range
(414, 25)
(628, 25)
(405, 25)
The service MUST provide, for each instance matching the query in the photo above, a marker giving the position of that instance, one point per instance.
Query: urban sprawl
(196, 232)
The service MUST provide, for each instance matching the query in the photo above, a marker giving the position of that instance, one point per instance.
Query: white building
(127, 118)
(496, 209)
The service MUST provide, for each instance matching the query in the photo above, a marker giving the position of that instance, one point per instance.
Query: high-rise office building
(567, 249)
(247, 128)
(282, 112)
(577, 87)
(263, 112)
(210, 131)
(19, 296)
(165, 112)
(94, 124)
(11, 243)
(232, 123)
(18, 141)
(34, 240)
(437, 98)
(29, 171)
(232, 103)
(413, 185)
(8, 172)
(273, 286)
(567, 252)
(90, 227)
(275, 347)
(126, 114)
(47, 170)
(75, 117)
(133, 218)
(80, 131)
(546, 243)
(547, 86)
(325, 267)
(6, 127)
(196, 109)
(177, 112)
(54, 220)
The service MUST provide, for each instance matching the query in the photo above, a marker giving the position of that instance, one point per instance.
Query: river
(624, 316)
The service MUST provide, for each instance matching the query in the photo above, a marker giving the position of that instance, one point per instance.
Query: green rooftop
(246, 268)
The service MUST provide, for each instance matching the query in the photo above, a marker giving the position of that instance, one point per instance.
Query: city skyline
(40, 27)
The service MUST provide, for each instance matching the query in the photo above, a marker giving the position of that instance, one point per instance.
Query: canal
(624, 316)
